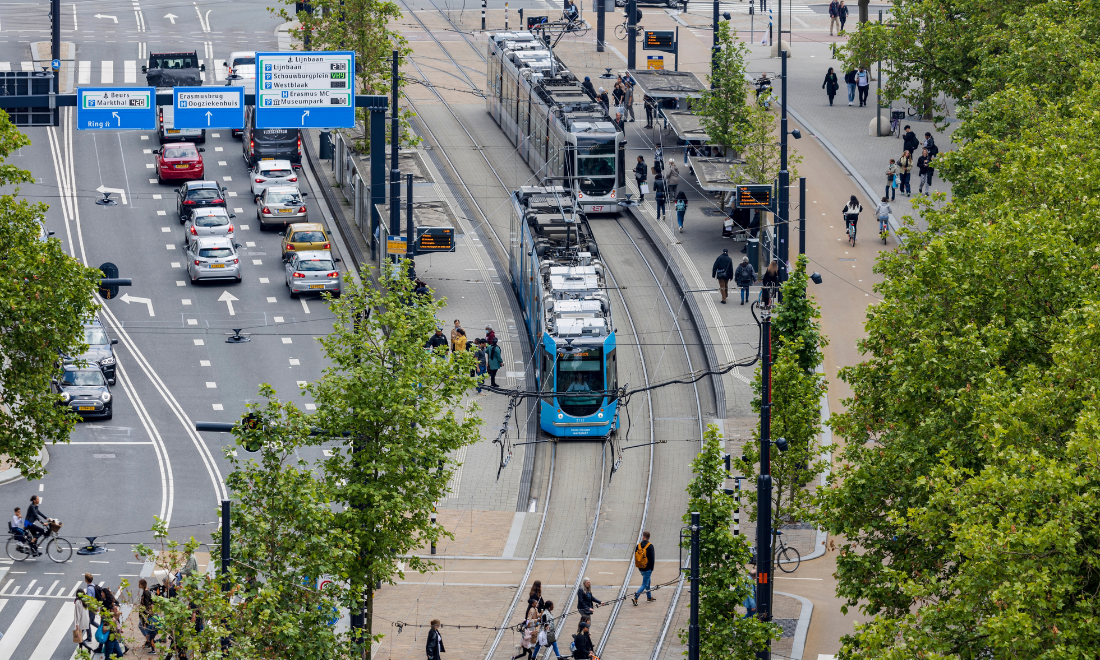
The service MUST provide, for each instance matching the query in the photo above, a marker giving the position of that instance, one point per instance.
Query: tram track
(547, 541)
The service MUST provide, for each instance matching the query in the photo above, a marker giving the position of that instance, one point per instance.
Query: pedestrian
(723, 272)
(629, 87)
(619, 93)
(459, 343)
(924, 167)
(536, 595)
(850, 80)
(435, 642)
(641, 173)
(672, 178)
(493, 361)
(930, 145)
(585, 599)
(82, 623)
(650, 110)
(645, 558)
(863, 81)
(750, 600)
(830, 85)
(905, 168)
(681, 209)
(454, 333)
(146, 622)
(909, 141)
(480, 361)
(490, 336)
(770, 282)
(618, 122)
(842, 14)
(605, 101)
(588, 88)
(436, 340)
(548, 637)
(528, 641)
(834, 16)
(744, 276)
(582, 642)
(891, 179)
(659, 193)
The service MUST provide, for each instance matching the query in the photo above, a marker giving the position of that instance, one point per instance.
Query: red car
(181, 161)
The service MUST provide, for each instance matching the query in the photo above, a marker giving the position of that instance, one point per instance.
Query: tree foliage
(758, 146)
(724, 633)
(723, 110)
(45, 298)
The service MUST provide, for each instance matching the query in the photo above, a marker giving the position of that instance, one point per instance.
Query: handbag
(78, 636)
(551, 636)
(896, 182)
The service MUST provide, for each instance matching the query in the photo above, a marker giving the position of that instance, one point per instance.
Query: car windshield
(307, 237)
(203, 193)
(172, 62)
(215, 252)
(283, 198)
(211, 220)
(181, 152)
(89, 378)
(95, 336)
(315, 264)
(243, 60)
(272, 174)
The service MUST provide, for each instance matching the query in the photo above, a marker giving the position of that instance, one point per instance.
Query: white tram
(564, 135)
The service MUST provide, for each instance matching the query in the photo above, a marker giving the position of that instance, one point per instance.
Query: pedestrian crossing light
(250, 423)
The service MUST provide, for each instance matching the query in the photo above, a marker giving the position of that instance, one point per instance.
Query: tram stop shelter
(716, 174)
(662, 84)
(687, 126)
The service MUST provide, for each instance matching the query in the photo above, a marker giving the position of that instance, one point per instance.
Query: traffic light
(110, 271)
(250, 423)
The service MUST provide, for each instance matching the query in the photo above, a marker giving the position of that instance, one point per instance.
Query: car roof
(210, 210)
(194, 185)
(275, 164)
(283, 188)
(246, 53)
(305, 226)
(73, 367)
(180, 144)
(314, 254)
(214, 241)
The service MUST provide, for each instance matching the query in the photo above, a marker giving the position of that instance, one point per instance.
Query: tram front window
(580, 372)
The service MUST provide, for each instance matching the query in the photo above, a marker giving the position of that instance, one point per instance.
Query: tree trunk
(368, 621)
(864, 14)
(926, 101)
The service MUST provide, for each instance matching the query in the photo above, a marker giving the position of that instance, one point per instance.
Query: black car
(269, 143)
(173, 70)
(100, 353)
(84, 390)
(198, 195)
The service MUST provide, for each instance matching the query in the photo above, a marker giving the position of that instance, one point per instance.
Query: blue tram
(558, 277)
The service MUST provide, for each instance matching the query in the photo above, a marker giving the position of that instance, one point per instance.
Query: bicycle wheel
(18, 550)
(59, 549)
(620, 31)
(912, 111)
(788, 559)
(580, 31)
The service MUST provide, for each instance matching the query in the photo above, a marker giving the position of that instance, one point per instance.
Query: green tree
(797, 317)
(723, 111)
(363, 27)
(400, 407)
(724, 583)
(758, 146)
(45, 299)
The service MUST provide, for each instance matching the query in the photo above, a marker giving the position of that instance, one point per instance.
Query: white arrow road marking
(304, 115)
(228, 299)
(171, 17)
(115, 115)
(113, 18)
(127, 298)
(120, 191)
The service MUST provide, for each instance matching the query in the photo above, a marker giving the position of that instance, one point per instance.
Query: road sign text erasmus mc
(305, 90)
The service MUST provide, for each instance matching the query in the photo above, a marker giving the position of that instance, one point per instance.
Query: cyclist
(851, 216)
(883, 212)
(571, 11)
(36, 530)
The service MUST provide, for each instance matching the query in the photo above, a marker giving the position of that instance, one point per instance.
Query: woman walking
(892, 171)
(830, 85)
(681, 209)
(582, 642)
(905, 169)
(659, 193)
(770, 283)
(585, 599)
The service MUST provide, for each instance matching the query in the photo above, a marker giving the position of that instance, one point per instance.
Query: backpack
(640, 557)
(681, 205)
(101, 634)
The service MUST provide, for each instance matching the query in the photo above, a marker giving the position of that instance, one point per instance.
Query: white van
(168, 133)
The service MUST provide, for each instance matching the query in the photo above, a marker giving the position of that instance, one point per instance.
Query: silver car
(313, 272)
(269, 173)
(213, 257)
(209, 221)
(281, 205)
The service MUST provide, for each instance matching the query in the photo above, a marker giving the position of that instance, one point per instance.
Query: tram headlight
(612, 193)
(600, 415)
(561, 416)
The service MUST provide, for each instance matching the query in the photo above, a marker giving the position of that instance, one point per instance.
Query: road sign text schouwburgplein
(305, 90)
(208, 107)
(116, 108)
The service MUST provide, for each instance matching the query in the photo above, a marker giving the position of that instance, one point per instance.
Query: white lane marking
(311, 406)
(264, 280)
(152, 181)
(227, 178)
(170, 246)
(232, 194)
(19, 627)
(27, 66)
(272, 299)
(55, 633)
(305, 307)
(218, 149)
(84, 72)
(257, 262)
(158, 196)
(150, 166)
(199, 342)
(288, 340)
(302, 383)
(176, 264)
(5, 66)
(166, 230)
(127, 298)
(129, 71)
(243, 227)
(181, 283)
(204, 363)
(192, 321)
(215, 134)
(278, 319)
(237, 209)
(222, 163)
(146, 151)
(187, 301)
(107, 72)
(162, 212)
(250, 244)
(294, 362)
(211, 385)
(218, 406)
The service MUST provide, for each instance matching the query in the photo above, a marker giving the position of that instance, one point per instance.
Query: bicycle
(621, 31)
(850, 228)
(786, 555)
(896, 116)
(58, 549)
(883, 229)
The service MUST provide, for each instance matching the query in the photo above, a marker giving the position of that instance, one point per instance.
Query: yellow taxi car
(305, 236)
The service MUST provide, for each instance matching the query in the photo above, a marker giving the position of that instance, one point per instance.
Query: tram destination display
(659, 40)
(435, 239)
(753, 196)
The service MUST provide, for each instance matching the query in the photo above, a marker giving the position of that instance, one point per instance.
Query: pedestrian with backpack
(494, 361)
(681, 209)
(645, 558)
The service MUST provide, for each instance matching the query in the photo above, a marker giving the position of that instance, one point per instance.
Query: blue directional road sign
(305, 90)
(208, 107)
(116, 108)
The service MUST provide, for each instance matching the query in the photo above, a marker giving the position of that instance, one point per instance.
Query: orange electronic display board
(753, 196)
(659, 40)
(436, 239)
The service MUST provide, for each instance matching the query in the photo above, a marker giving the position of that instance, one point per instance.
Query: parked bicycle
(58, 549)
(787, 558)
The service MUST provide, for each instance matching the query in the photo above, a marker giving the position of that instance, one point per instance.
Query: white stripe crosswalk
(85, 72)
(57, 631)
(107, 77)
(129, 68)
(19, 627)
(36, 629)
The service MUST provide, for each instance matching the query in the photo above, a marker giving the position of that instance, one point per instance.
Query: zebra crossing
(36, 629)
(743, 8)
(127, 72)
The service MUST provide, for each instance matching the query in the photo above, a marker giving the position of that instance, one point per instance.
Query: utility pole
(764, 485)
(802, 215)
(878, 89)
(410, 226)
(782, 228)
(714, 41)
(693, 626)
(601, 25)
(225, 545)
(631, 34)
(55, 54)
(395, 172)
(483, 15)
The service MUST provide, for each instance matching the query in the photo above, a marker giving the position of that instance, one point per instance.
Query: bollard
(433, 525)
(483, 14)
(506, 16)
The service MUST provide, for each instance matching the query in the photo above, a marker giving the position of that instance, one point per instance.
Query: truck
(165, 71)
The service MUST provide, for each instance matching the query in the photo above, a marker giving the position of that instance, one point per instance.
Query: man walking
(645, 558)
(842, 14)
(641, 173)
(850, 79)
(909, 141)
(744, 277)
(723, 272)
(629, 80)
(494, 362)
(924, 166)
(834, 16)
(672, 179)
(863, 81)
